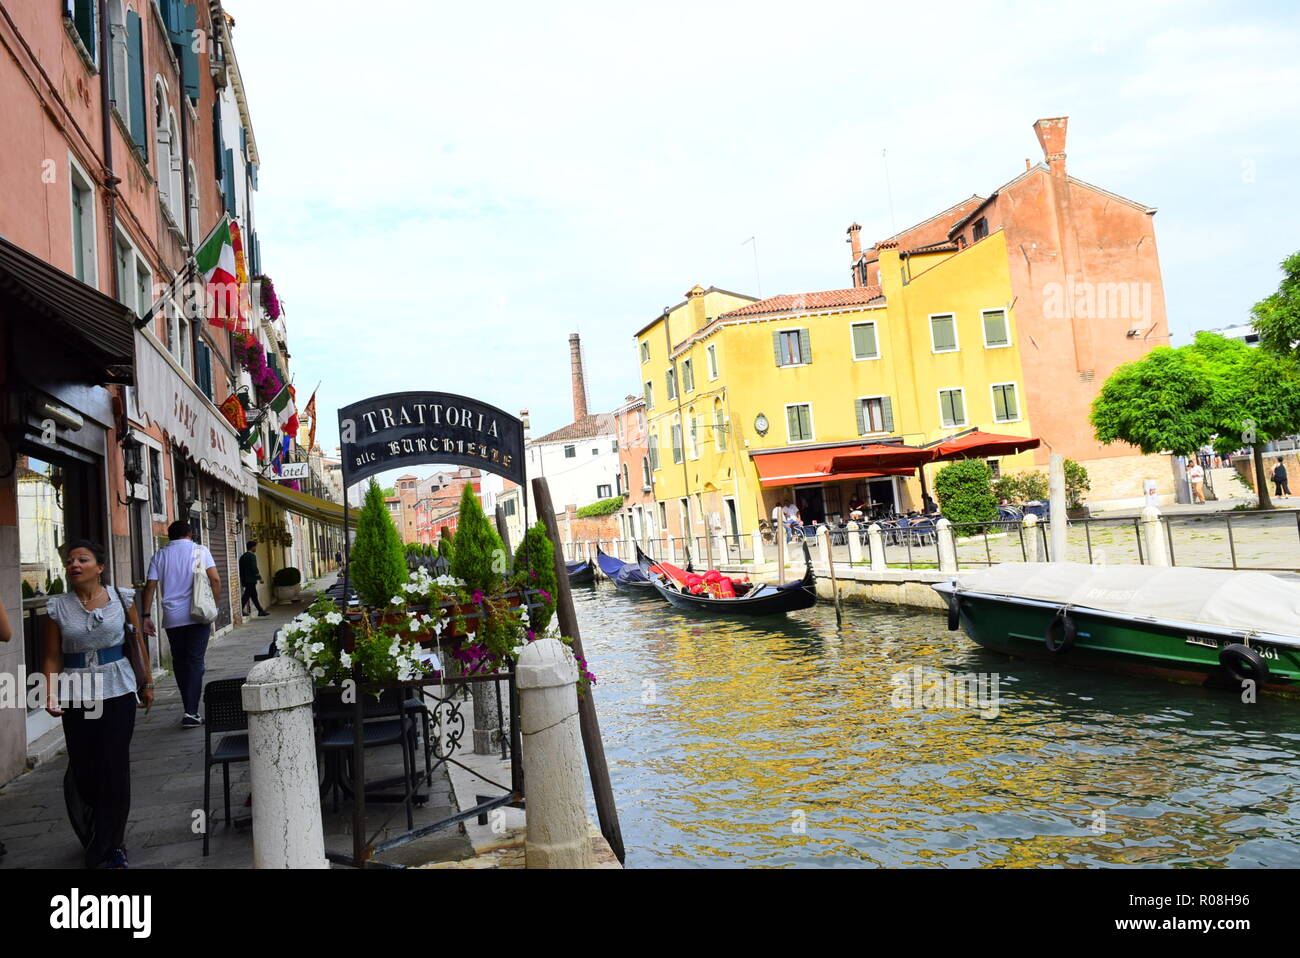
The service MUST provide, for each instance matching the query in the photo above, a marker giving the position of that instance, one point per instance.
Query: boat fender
(1242, 663)
(954, 614)
(1060, 633)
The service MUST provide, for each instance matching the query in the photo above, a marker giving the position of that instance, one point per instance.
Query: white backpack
(203, 607)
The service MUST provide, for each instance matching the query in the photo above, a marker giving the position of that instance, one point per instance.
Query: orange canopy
(982, 445)
(886, 459)
(802, 467)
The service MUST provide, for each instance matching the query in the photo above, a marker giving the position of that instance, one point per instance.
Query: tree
(1076, 483)
(536, 555)
(378, 566)
(1216, 390)
(1277, 316)
(479, 554)
(965, 493)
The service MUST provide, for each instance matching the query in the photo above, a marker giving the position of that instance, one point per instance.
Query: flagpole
(186, 273)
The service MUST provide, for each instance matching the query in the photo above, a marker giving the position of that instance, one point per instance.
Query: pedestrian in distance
(1196, 476)
(778, 519)
(172, 574)
(97, 674)
(1280, 481)
(249, 577)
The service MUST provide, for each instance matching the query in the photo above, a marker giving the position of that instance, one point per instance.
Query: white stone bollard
(824, 547)
(876, 545)
(1058, 525)
(1157, 548)
(547, 678)
(756, 538)
(1031, 537)
(672, 551)
(282, 762)
(947, 546)
(855, 543)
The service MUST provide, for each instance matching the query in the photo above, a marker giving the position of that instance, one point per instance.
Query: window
(688, 376)
(81, 17)
(653, 452)
(649, 396)
(144, 288)
(712, 352)
(192, 224)
(604, 492)
(627, 486)
(875, 414)
(719, 425)
(645, 352)
(798, 420)
(695, 434)
(684, 506)
(792, 346)
(995, 328)
(570, 452)
(663, 516)
(162, 124)
(677, 440)
(595, 450)
(981, 229)
(508, 507)
(671, 377)
(1005, 406)
(952, 407)
(614, 443)
(156, 502)
(84, 255)
(943, 333)
(645, 471)
(864, 341)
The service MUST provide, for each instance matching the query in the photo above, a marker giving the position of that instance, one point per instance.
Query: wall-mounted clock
(760, 424)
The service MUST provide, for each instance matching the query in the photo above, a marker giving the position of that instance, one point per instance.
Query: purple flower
(478, 596)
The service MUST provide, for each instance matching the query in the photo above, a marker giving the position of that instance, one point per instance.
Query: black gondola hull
(585, 574)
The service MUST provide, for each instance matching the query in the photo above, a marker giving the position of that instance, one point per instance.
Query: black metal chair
(334, 739)
(223, 711)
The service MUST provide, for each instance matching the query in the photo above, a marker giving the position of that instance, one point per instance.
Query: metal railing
(1267, 540)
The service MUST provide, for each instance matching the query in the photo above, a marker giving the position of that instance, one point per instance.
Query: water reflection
(776, 743)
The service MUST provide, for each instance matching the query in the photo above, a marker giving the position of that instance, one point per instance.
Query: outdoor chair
(922, 531)
(223, 711)
(391, 721)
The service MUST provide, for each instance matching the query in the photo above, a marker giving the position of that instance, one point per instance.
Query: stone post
(552, 757)
(855, 542)
(1157, 548)
(824, 546)
(486, 728)
(756, 538)
(947, 546)
(672, 551)
(1058, 525)
(1031, 538)
(876, 545)
(287, 831)
(720, 550)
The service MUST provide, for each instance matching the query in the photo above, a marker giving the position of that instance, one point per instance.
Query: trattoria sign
(405, 429)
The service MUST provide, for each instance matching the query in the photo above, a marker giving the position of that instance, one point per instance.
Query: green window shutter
(228, 181)
(958, 408)
(862, 419)
(776, 348)
(805, 346)
(83, 18)
(944, 333)
(887, 413)
(218, 146)
(252, 173)
(794, 422)
(183, 37)
(864, 341)
(135, 79)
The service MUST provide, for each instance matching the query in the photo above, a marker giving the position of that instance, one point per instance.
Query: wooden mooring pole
(591, 740)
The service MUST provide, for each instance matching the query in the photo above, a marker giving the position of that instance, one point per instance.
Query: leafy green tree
(479, 555)
(1215, 390)
(965, 493)
(535, 569)
(1277, 316)
(378, 566)
(1076, 483)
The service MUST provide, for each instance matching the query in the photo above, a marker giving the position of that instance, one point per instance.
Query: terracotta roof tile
(807, 302)
(588, 427)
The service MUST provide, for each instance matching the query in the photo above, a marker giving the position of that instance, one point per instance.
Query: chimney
(579, 384)
(523, 417)
(855, 251)
(695, 296)
(1051, 137)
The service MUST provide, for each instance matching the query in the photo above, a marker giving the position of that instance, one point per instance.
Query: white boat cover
(1248, 601)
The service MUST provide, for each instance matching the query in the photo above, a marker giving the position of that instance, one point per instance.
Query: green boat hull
(1133, 647)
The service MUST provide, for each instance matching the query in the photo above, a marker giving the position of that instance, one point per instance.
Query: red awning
(890, 460)
(982, 445)
(802, 468)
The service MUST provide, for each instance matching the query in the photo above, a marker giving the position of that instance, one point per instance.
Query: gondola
(762, 599)
(581, 573)
(626, 576)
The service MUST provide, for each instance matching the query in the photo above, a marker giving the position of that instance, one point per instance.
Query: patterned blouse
(89, 632)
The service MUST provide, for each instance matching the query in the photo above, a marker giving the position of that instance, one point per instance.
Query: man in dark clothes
(249, 577)
(1279, 480)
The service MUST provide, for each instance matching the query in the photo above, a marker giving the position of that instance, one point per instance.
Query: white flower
(414, 624)
(397, 600)
(333, 618)
(345, 660)
(395, 648)
(317, 647)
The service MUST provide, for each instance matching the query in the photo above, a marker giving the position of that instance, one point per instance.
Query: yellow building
(748, 400)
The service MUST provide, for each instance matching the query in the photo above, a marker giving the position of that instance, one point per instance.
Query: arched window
(192, 226)
(677, 438)
(163, 144)
(175, 175)
(119, 84)
(645, 470)
(627, 487)
(695, 433)
(719, 425)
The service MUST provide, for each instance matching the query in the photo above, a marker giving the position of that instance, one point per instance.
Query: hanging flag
(277, 457)
(288, 440)
(233, 410)
(292, 426)
(215, 259)
(244, 298)
(311, 415)
(283, 405)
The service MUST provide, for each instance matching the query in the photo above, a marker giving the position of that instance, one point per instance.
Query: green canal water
(786, 744)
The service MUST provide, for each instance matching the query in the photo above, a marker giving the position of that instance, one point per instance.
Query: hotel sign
(405, 429)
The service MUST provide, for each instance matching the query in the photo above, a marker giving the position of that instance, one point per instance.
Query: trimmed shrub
(964, 490)
(445, 547)
(1076, 483)
(286, 577)
(604, 507)
(479, 556)
(536, 555)
(378, 561)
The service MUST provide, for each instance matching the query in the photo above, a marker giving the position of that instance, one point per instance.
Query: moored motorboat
(1205, 626)
(581, 573)
(758, 599)
(626, 576)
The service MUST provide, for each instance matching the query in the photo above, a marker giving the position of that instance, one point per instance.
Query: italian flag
(215, 260)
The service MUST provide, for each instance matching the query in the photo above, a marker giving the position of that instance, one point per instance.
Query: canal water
(789, 743)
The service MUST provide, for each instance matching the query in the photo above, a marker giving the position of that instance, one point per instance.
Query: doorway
(811, 504)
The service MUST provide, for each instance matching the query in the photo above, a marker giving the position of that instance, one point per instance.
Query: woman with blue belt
(91, 638)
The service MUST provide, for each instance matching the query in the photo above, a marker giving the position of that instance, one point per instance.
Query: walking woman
(91, 642)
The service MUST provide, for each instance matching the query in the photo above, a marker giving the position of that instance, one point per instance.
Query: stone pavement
(167, 788)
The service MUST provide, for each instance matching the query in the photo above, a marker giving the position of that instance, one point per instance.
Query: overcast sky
(448, 190)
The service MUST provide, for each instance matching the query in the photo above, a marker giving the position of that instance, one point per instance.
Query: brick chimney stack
(855, 251)
(579, 383)
(1051, 137)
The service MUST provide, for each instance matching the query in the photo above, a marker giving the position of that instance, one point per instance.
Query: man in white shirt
(173, 568)
(1196, 476)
